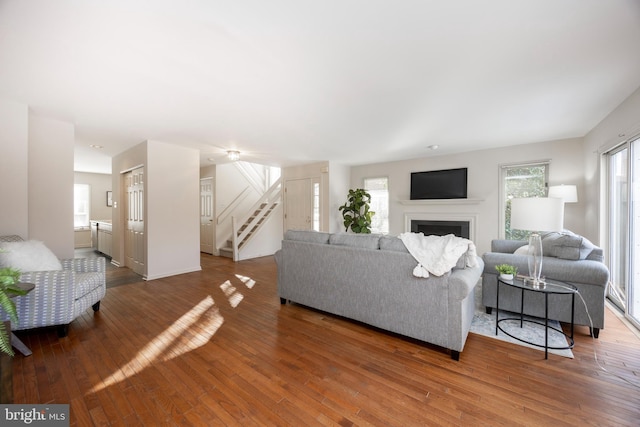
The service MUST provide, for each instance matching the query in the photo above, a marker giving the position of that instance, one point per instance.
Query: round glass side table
(547, 288)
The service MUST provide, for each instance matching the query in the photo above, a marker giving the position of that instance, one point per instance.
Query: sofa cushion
(307, 236)
(566, 245)
(31, 255)
(561, 245)
(392, 243)
(366, 241)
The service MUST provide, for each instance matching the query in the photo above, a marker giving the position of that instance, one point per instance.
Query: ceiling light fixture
(96, 146)
(233, 155)
(433, 147)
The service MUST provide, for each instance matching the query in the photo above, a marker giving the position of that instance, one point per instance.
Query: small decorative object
(535, 260)
(9, 278)
(356, 213)
(507, 272)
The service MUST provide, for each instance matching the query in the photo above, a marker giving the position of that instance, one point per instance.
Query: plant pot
(506, 276)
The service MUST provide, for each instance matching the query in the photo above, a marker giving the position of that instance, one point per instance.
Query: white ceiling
(290, 81)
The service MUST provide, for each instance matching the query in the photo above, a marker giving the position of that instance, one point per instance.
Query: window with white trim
(81, 205)
(378, 188)
(520, 181)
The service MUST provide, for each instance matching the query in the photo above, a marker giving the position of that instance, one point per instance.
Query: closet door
(135, 254)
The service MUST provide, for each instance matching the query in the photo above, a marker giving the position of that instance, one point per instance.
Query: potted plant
(9, 279)
(356, 213)
(507, 272)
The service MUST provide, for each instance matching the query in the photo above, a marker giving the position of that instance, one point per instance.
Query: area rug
(485, 324)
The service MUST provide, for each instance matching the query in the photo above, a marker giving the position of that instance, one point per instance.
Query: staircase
(246, 228)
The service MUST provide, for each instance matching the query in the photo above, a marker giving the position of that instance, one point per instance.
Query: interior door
(298, 204)
(206, 215)
(134, 252)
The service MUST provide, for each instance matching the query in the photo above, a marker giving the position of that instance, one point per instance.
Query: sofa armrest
(84, 265)
(506, 246)
(49, 303)
(463, 280)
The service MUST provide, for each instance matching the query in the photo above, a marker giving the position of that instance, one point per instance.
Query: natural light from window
(378, 188)
(81, 203)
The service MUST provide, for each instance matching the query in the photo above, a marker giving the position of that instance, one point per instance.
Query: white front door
(206, 215)
(134, 239)
(298, 204)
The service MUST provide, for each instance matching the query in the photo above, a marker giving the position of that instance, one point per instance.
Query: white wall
(51, 144)
(620, 125)
(173, 212)
(172, 200)
(483, 183)
(14, 179)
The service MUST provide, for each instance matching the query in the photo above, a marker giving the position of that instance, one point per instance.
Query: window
(81, 203)
(316, 206)
(523, 180)
(623, 233)
(379, 190)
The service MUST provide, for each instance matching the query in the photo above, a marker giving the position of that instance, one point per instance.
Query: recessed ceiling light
(96, 146)
(433, 147)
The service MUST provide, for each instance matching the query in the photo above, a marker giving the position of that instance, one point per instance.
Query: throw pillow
(522, 250)
(31, 255)
(562, 245)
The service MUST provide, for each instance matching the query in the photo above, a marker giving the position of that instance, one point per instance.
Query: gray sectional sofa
(568, 258)
(368, 278)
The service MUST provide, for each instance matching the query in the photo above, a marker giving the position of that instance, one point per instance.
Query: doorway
(207, 225)
(623, 233)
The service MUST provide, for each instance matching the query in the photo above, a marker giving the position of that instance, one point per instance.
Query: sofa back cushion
(366, 241)
(307, 236)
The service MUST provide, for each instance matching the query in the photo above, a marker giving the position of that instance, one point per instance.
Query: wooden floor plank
(206, 349)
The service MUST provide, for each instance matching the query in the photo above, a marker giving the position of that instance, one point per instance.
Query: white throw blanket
(438, 254)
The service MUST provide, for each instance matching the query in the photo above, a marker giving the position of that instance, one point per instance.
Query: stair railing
(233, 205)
(244, 229)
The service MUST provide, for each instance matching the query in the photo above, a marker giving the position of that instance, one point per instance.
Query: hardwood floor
(217, 348)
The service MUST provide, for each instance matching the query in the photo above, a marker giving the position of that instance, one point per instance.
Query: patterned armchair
(60, 296)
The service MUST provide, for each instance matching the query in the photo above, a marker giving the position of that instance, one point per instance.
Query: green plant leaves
(356, 212)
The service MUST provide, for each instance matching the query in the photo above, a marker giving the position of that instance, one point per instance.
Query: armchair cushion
(566, 245)
(31, 255)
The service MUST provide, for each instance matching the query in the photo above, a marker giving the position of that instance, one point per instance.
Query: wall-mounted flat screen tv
(439, 184)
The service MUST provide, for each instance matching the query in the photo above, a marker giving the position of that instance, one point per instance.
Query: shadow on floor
(115, 276)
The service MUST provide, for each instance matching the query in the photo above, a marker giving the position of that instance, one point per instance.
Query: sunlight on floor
(248, 281)
(232, 294)
(194, 329)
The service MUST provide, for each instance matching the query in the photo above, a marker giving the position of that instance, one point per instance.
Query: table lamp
(537, 214)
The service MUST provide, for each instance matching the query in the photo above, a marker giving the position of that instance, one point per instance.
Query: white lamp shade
(537, 214)
(568, 193)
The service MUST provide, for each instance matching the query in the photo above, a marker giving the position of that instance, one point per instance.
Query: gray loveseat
(568, 258)
(369, 278)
